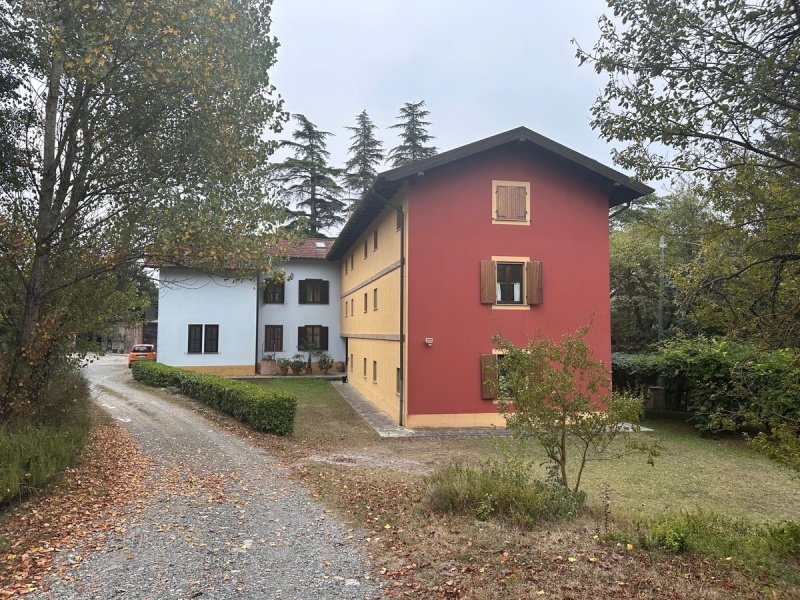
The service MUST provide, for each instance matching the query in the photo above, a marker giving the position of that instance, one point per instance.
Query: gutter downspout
(402, 216)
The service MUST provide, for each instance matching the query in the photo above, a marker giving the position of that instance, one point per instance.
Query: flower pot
(284, 370)
(339, 366)
(269, 367)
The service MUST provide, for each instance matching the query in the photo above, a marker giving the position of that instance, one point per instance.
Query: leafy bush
(33, 453)
(262, 409)
(502, 489)
(728, 385)
(715, 535)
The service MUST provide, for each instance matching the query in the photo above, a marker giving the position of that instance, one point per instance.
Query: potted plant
(310, 349)
(269, 365)
(298, 363)
(325, 362)
(283, 365)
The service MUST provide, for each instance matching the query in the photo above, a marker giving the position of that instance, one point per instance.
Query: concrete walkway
(386, 427)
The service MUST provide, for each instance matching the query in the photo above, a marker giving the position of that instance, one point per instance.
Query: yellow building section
(455, 420)
(224, 370)
(372, 370)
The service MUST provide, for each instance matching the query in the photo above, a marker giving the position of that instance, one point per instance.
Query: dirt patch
(377, 460)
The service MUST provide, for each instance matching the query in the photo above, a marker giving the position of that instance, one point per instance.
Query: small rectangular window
(397, 382)
(313, 291)
(352, 307)
(365, 248)
(312, 337)
(365, 303)
(375, 240)
(399, 219)
(345, 267)
(374, 371)
(365, 368)
(375, 299)
(352, 261)
(345, 309)
(195, 339)
(211, 339)
(351, 363)
(509, 283)
(273, 292)
(273, 338)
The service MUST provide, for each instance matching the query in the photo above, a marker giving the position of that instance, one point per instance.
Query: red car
(141, 352)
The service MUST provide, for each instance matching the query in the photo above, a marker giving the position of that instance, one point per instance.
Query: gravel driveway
(223, 521)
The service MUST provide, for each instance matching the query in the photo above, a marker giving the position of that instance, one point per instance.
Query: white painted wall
(188, 297)
(291, 314)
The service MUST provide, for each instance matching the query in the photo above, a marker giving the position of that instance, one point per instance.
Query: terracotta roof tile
(311, 248)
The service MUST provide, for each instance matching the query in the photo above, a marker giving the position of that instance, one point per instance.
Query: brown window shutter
(533, 283)
(488, 281)
(488, 376)
(323, 338)
(511, 205)
(324, 293)
(301, 291)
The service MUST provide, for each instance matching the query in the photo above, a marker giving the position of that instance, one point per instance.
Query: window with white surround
(511, 282)
(511, 202)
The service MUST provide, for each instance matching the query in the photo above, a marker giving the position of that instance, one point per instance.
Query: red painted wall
(450, 232)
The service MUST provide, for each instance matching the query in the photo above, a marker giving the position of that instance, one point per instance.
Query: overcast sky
(482, 67)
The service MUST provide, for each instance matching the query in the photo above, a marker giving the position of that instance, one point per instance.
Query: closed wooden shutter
(302, 292)
(488, 376)
(301, 338)
(488, 281)
(323, 339)
(533, 283)
(324, 292)
(511, 204)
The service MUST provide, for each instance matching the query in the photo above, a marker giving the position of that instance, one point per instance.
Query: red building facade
(507, 236)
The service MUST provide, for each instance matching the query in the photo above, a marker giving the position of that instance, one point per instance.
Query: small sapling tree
(557, 394)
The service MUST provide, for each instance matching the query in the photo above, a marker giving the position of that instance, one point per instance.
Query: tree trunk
(25, 356)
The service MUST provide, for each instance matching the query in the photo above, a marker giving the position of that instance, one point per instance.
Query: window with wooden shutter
(312, 337)
(511, 202)
(211, 339)
(313, 291)
(273, 292)
(195, 339)
(533, 281)
(273, 338)
(488, 281)
(488, 376)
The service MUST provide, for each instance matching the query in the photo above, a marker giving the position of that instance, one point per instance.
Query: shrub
(263, 410)
(33, 453)
(501, 489)
(325, 361)
(715, 535)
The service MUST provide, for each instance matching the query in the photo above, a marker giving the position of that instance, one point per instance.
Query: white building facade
(227, 327)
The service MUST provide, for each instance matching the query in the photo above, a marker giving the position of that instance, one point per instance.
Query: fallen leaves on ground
(88, 501)
(424, 555)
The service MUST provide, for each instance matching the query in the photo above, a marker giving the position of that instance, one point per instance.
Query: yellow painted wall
(387, 354)
(385, 321)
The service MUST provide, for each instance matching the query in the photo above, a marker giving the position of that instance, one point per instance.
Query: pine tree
(366, 153)
(309, 182)
(414, 135)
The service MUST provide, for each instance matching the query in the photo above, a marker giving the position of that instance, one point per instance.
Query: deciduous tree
(140, 139)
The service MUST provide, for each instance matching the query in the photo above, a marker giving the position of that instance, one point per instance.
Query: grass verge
(33, 453)
(425, 554)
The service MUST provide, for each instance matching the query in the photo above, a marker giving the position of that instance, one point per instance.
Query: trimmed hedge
(261, 409)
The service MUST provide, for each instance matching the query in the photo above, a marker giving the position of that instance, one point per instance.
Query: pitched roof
(310, 248)
(619, 187)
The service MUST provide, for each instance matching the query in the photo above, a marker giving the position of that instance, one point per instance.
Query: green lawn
(717, 475)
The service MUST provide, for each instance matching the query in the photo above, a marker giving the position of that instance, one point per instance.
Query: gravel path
(223, 522)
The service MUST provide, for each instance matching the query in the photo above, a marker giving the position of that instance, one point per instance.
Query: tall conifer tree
(366, 153)
(308, 182)
(413, 134)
